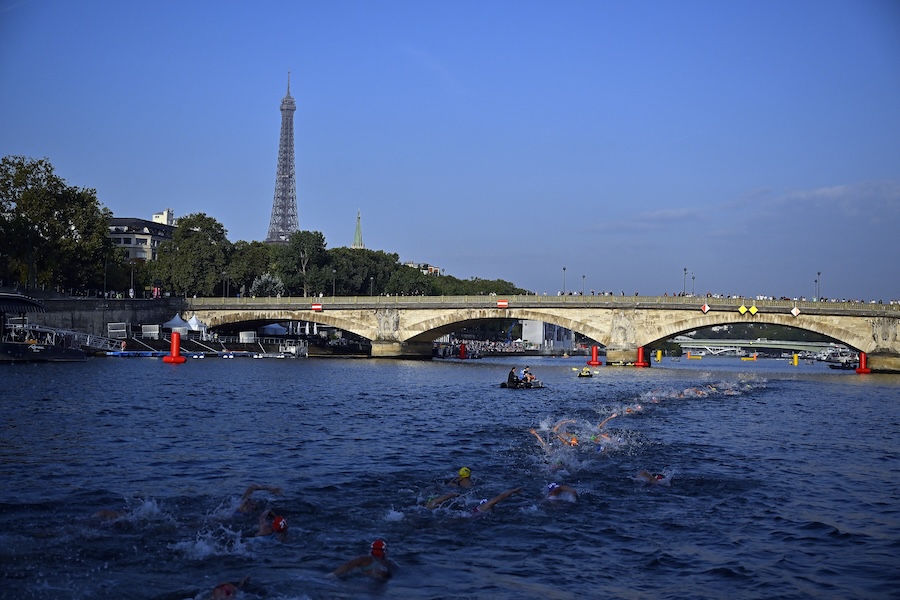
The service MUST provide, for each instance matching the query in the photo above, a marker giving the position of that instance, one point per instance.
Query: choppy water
(781, 481)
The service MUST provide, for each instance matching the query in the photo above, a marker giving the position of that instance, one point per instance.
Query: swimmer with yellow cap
(463, 479)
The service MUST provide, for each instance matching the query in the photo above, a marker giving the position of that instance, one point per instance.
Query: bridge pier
(883, 362)
(626, 357)
(419, 350)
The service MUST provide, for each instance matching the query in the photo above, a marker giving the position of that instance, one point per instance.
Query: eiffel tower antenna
(284, 207)
(357, 237)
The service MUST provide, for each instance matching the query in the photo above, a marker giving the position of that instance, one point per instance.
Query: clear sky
(754, 143)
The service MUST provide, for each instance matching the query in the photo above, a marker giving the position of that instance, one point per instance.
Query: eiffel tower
(284, 207)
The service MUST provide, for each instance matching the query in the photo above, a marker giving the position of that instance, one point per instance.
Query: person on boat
(248, 504)
(488, 505)
(527, 375)
(375, 565)
(585, 372)
(559, 491)
(271, 524)
(512, 380)
(463, 479)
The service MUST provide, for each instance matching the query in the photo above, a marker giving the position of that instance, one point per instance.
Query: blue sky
(754, 143)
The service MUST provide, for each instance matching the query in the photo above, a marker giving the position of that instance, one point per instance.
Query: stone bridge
(405, 327)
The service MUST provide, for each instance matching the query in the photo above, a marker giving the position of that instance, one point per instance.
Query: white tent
(196, 324)
(176, 321)
(273, 329)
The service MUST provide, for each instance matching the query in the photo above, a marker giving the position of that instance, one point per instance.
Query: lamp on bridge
(693, 279)
(333, 277)
(371, 286)
(582, 285)
(684, 283)
(564, 281)
(818, 284)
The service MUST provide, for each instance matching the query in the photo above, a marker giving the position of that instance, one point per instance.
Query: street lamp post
(684, 283)
(582, 285)
(693, 279)
(131, 294)
(564, 281)
(816, 297)
(818, 286)
(371, 286)
(333, 278)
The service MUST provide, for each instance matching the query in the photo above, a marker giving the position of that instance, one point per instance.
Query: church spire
(357, 237)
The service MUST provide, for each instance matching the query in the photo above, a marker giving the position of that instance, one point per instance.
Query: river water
(780, 481)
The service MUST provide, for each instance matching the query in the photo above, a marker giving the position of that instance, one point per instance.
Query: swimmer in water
(435, 502)
(270, 523)
(463, 478)
(647, 477)
(566, 438)
(375, 565)
(558, 491)
(248, 504)
(228, 590)
(488, 505)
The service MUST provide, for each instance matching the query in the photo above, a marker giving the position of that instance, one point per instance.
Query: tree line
(55, 237)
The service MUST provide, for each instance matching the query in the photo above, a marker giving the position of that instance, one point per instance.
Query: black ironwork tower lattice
(284, 207)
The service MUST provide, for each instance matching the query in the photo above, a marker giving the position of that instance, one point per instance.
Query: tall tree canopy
(359, 272)
(193, 263)
(301, 263)
(248, 261)
(51, 233)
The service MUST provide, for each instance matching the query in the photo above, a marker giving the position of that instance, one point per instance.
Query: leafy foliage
(51, 233)
(267, 285)
(193, 263)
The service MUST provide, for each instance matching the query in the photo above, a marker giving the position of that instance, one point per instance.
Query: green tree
(50, 233)
(193, 262)
(248, 261)
(267, 285)
(359, 271)
(300, 263)
(410, 281)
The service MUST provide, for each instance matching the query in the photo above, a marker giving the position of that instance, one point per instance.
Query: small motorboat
(522, 385)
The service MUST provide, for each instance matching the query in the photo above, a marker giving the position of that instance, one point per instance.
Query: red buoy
(594, 362)
(641, 361)
(174, 357)
(863, 368)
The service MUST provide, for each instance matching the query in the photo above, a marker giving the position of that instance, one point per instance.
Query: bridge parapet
(534, 301)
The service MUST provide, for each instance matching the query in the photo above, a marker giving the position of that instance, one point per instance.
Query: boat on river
(27, 342)
(522, 385)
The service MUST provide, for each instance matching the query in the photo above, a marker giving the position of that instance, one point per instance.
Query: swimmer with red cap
(375, 565)
(650, 478)
(270, 523)
(228, 591)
